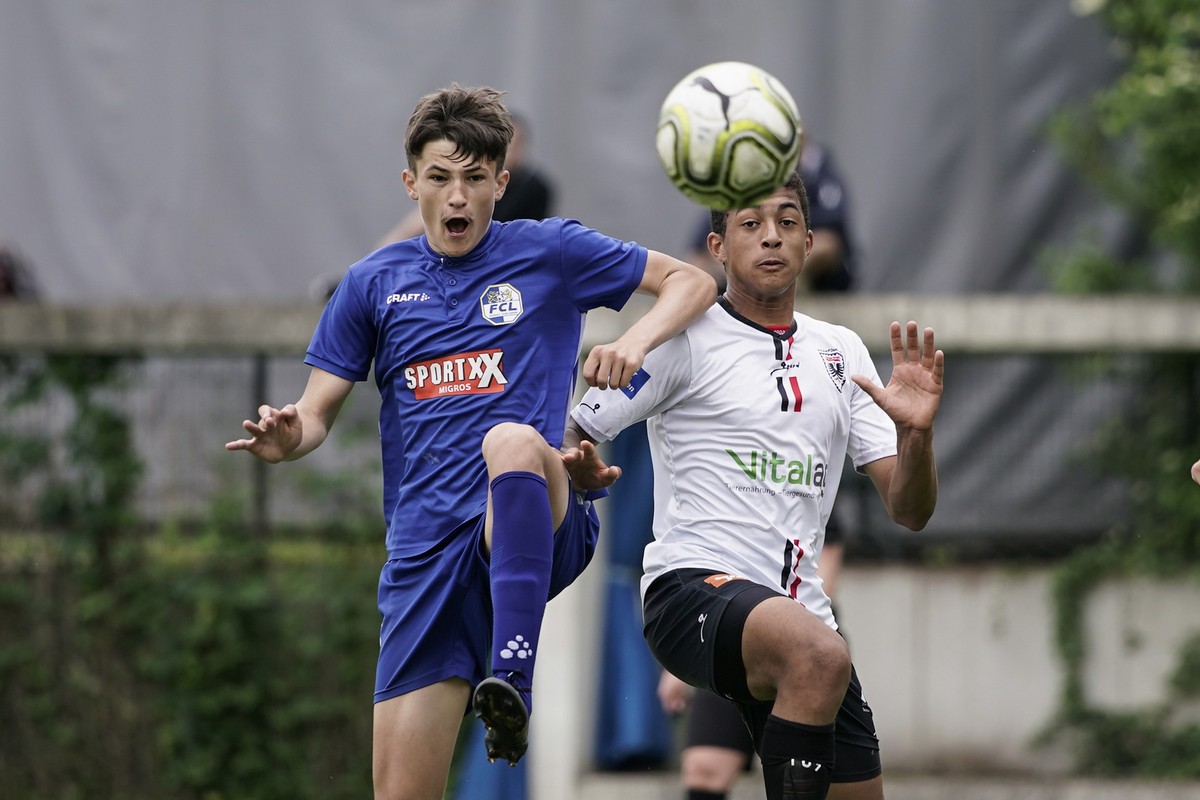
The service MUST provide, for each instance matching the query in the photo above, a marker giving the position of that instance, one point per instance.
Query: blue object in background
(632, 731)
(480, 780)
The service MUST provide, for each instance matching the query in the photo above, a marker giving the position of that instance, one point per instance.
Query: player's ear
(716, 246)
(410, 183)
(502, 183)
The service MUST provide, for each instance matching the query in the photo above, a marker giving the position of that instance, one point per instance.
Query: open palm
(914, 391)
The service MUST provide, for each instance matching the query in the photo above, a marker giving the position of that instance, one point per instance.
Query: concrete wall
(914, 787)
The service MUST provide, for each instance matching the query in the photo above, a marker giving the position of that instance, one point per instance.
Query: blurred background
(181, 184)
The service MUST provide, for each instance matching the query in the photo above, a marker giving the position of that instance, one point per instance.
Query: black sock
(696, 794)
(797, 759)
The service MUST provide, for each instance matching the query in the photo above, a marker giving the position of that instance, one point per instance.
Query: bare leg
(414, 738)
(861, 790)
(711, 769)
(796, 660)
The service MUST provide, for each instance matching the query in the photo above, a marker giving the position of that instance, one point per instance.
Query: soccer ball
(728, 135)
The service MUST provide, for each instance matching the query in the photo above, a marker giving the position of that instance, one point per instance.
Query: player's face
(764, 248)
(456, 197)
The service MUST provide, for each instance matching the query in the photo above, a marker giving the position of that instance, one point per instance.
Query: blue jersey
(459, 345)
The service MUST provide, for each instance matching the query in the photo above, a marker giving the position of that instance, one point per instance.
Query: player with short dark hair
(472, 332)
(751, 412)
(717, 748)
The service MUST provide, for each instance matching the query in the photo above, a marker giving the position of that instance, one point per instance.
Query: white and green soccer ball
(729, 135)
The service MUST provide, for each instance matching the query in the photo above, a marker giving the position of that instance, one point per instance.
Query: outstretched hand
(914, 392)
(273, 438)
(587, 470)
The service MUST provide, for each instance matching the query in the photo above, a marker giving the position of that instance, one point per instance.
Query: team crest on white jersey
(501, 304)
(835, 365)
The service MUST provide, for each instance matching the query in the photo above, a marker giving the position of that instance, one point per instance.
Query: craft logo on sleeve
(500, 304)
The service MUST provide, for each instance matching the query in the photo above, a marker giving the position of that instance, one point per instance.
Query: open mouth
(456, 226)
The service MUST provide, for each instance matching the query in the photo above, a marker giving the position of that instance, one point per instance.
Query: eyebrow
(786, 204)
(475, 166)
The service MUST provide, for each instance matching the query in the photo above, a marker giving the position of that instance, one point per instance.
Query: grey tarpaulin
(208, 151)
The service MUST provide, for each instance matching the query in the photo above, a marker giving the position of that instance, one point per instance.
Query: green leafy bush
(1138, 142)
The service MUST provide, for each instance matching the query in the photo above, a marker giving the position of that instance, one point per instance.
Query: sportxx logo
(480, 372)
(774, 468)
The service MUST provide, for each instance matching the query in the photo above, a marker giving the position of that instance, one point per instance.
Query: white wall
(958, 665)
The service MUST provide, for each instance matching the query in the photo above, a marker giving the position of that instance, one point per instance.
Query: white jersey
(748, 432)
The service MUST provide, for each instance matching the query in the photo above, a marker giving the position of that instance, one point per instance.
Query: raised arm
(684, 292)
(291, 432)
(907, 482)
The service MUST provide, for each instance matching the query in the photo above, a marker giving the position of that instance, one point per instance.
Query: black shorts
(833, 529)
(694, 628)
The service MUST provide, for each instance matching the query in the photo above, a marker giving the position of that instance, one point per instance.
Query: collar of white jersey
(724, 303)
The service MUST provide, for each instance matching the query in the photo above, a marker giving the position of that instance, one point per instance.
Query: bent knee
(824, 661)
(510, 437)
(819, 662)
(834, 658)
(711, 769)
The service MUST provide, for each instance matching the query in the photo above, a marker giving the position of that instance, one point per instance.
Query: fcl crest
(500, 304)
(835, 365)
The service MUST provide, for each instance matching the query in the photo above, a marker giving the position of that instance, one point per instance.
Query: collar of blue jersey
(477, 252)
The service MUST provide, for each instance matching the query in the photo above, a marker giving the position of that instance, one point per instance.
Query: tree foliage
(1138, 142)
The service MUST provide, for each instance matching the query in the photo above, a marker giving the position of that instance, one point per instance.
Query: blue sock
(522, 555)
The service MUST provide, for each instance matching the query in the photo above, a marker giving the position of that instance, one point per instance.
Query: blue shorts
(437, 605)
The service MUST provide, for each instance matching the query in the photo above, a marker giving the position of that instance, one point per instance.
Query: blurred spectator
(16, 278)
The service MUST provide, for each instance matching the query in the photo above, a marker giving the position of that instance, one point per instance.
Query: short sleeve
(343, 343)
(599, 270)
(665, 375)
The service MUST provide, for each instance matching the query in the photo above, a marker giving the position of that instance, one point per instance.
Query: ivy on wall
(1138, 142)
(210, 663)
